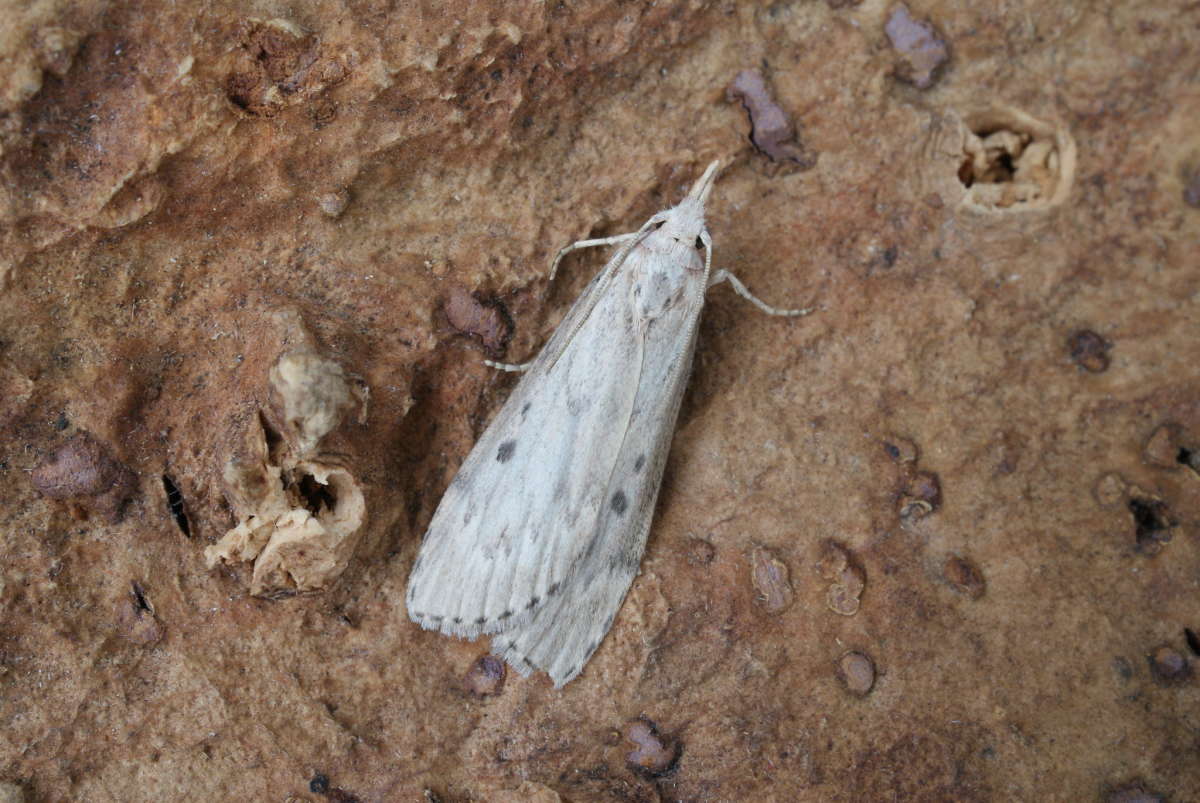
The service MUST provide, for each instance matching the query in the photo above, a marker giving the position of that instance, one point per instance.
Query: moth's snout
(704, 185)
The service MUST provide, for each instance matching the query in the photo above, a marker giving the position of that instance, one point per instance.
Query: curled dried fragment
(771, 130)
(1164, 446)
(921, 48)
(847, 581)
(84, 471)
(298, 520)
(334, 202)
(1169, 666)
(922, 495)
(1110, 490)
(487, 320)
(832, 559)
(856, 670)
(1089, 351)
(486, 676)
(314, 395)
(843, 599)
(769, 576)
(964, 576)
(652, 754)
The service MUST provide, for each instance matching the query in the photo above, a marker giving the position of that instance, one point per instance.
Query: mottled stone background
(936, 541)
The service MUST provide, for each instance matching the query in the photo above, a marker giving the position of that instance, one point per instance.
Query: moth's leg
(515, 367)
(740, 289)
(620, 238)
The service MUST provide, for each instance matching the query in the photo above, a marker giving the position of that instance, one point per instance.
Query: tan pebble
(1163, 447)
(964, 576)
(1110, 490)
(857, 673)
(486, 676)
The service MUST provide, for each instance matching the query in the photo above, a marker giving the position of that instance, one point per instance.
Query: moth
(540, 534)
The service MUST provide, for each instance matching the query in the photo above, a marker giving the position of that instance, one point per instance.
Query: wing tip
(460, 627)
(422, 607)
(523, 666)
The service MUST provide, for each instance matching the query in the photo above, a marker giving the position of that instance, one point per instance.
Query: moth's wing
(563, 634)
(522, 509)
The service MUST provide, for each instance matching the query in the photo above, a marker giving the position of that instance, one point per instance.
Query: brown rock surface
(184, 189)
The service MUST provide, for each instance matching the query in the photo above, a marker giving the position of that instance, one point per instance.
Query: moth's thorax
(676, 250)
(664, 269)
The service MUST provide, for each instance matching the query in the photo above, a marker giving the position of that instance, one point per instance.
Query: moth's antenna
(605, 278)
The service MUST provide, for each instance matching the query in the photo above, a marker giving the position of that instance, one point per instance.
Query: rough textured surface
(177, 179)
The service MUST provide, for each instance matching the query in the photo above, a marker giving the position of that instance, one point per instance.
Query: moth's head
(685, 221)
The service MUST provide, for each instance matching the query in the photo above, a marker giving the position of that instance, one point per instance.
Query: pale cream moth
(540, 534)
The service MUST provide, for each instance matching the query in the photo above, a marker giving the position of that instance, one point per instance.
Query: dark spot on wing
(619, 503)
(641, 461)
(533, 603)
(525, 408)
(505, 452)
(505, 615)
(436, 618)
(554, 589)
(626, 561)
(481, 620)
(458, 620)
